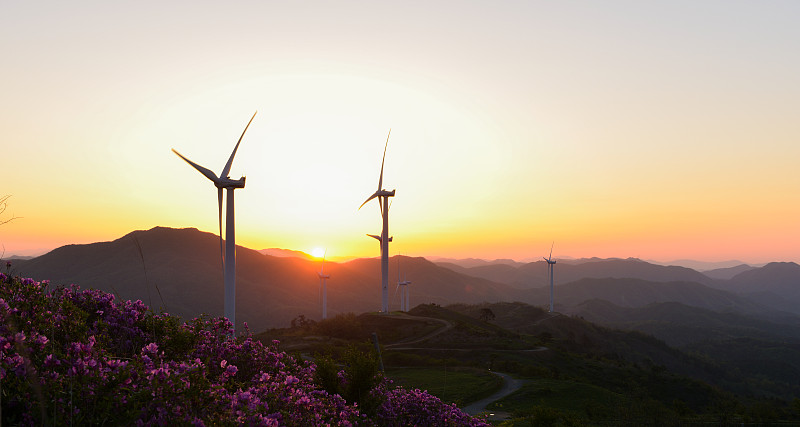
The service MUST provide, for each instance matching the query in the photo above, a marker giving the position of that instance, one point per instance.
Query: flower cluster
(78, 356)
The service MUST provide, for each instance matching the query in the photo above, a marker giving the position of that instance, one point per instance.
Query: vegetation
(574, 372)
(78, 357)
(459, 384)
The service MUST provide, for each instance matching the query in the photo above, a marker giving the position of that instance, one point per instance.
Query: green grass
(455, 385)
(563, 395)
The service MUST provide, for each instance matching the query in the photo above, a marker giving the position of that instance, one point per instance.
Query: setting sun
(318, 252)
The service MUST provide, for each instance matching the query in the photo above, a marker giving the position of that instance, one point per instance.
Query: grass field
(457, 385)
(567, 396)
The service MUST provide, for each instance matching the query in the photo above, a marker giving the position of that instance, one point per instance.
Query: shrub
(72, 356)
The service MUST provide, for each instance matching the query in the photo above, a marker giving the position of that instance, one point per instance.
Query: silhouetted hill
(679, 324)
(781, 278)
(431, 283)
(533, 275)
(728, 272)
(474, 262)
(776, 284)
(745, 355)
(179, 270)
(639, 293)
(283, 253)
(580, 336)
(701, 266)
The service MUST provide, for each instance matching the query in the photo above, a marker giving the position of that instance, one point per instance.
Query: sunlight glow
(318, 252)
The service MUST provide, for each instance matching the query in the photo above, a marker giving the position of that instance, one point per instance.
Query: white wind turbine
(228, 249)
(323, 283)
(384, 239)
(403, 286)
(550, 263)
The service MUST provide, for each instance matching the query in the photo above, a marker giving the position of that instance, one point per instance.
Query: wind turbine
(228, 249)
(323, 279)
(404, 290)
(550, 263)
(383, 239)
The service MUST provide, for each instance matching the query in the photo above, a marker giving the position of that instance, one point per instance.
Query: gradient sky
(616, 129)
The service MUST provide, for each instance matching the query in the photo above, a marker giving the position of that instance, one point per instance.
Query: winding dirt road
(510, 385)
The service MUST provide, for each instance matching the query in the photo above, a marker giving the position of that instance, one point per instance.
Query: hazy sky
(624, 128)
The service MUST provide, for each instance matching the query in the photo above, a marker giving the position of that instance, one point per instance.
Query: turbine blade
(208, 174)
(380, 180)
(374, 195)
(551, 250)
(221, 243)
(227, 169)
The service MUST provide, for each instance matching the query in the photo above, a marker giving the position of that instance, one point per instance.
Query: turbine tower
(384, 239)
(550, 263)
(403, 286)
(228, 248)
(323, 283)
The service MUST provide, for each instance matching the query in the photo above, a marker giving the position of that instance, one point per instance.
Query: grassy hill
(575, 371)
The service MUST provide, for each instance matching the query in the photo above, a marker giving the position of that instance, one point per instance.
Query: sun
(318, 252)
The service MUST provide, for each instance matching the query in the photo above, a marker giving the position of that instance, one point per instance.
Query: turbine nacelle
(378, 238)
(230, 183)
(379, 193)
(323, 276)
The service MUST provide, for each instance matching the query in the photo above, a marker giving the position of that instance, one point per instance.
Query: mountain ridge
(179, 270)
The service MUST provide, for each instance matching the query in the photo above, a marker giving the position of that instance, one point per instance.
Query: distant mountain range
(179, 270)
(534, 274)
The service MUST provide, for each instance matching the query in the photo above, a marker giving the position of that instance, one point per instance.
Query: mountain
(679, 324)
(639, 293)
(474, 262)
(727, 273)
(179, 270)
(781, 278)
(283, 253)
(701, 266)
(535, 274)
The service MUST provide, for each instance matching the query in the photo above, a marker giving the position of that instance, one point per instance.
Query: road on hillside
(510, 385)
(446, 326)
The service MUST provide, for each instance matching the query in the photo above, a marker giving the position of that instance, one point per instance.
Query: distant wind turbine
(228, 249)
(403, 286)
(550, 263)
(323, 283)
(384, 239)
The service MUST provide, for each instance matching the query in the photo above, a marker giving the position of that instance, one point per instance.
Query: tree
(486, 314)
(3, 207)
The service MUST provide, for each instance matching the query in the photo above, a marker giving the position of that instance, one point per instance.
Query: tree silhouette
(3, 207)
(486, 314)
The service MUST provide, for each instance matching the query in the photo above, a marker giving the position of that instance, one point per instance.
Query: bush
(71, 356)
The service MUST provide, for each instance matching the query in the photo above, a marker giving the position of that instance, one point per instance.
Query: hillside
(569, 368)
(179, 271)
(534, 275)
(638, 293)
(727, 273)
(679, 324)
(780, 278)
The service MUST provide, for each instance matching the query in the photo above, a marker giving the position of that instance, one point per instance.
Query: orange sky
(619, 129)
